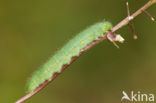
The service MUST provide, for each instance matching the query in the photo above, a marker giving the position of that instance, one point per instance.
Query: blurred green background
(33, 30)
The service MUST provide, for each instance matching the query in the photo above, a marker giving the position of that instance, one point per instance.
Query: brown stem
(133, 31)
(118, 26)
(128, 11)
(148, 14)
(129, 24)
(127, 19)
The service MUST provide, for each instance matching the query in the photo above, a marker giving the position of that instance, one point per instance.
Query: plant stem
(118, 26)
(139, 11)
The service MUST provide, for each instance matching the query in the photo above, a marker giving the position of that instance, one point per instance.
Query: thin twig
(127, 19)
(128, 11)
(129, 24)
(118, 26)
(133, 31)
(148, 14)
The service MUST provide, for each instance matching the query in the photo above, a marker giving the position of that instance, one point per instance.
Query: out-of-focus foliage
(33, 30)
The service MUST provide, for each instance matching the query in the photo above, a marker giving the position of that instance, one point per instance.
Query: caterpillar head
(107, 26)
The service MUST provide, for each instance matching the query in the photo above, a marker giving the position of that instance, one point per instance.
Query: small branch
(133, 31)
(128, 11)
(118, 26)
(129, 24)
(126, 20)
(148, 14)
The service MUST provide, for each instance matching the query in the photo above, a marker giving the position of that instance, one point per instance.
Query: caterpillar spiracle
(64, 55)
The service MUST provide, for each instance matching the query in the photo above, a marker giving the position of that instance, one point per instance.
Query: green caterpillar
(64, 56)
